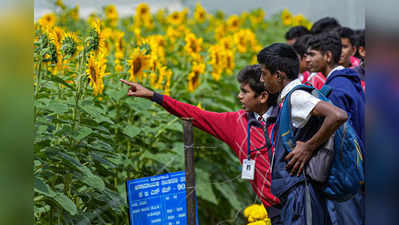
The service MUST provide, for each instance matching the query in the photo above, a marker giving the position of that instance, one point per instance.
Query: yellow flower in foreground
(194, 76)
(96, 71)
(286, 17)
(138, 62)
(199, 13)
(200, 106)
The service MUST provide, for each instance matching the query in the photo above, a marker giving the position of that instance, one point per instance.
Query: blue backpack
(346, 174)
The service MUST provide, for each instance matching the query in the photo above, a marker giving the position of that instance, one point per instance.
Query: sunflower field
(90, 137)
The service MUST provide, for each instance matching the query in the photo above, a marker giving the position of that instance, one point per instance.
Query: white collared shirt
(336, 68)
(302, 104)
(266, 115)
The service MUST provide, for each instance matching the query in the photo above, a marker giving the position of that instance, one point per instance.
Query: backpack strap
(326, 90)
(285, 126)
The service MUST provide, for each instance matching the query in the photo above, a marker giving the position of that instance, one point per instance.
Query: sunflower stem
(37, 90)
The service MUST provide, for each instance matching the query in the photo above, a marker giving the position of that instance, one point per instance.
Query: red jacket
(231, 128)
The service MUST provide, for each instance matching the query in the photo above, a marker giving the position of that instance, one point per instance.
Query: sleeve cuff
(158, 98)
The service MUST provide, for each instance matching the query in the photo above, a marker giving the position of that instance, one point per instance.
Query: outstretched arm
(220, 125)
(333, 118)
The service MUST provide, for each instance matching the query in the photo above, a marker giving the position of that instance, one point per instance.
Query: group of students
(324, 55)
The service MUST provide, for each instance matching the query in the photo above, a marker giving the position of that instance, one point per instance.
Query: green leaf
(131, 131)
(96, 113)
(58, 79)
(93, 181)
(116, 94)
(66, 203)
(57, 107)
(139, 104)
(83, 132)
(229, 194)
(204, 186)
(42, 188)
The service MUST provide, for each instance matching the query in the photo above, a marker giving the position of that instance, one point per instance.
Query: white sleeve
(302, 104)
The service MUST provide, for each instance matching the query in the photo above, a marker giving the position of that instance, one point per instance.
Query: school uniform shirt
(316, 79)
(232, 128)
(302, 103)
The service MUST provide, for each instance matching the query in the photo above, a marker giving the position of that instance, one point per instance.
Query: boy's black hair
(360, 38)
(324, 24)
(279, 56)
(329, 41)
(346, 32)
(360, 42)
(296, 32)
(301, 44)
(251, 75)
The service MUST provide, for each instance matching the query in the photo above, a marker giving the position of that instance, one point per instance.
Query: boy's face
(348, 50)
(249, 102)
(271, 81)
(316, 60)
(303, 63)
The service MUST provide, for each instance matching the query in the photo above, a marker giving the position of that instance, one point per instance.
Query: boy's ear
(328, 57)
(263, 97)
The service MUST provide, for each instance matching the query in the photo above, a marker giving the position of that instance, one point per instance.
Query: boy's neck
(262, 109)
(329, 69)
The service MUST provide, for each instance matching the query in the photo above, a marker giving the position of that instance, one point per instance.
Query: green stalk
(37, 90)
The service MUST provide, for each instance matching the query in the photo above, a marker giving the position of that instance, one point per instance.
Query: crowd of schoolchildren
(330, 56)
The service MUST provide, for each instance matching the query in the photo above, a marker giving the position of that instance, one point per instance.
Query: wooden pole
(190, 172)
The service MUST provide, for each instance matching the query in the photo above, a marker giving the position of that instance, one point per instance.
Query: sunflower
(143, 10)
(176, 18)
(96, 66)
(286, 17)
(193, 44)
(233, 22)
(299, 20)
(119, 44)
(60, 4)
(70, 45)
(194, 76)
(96, 39)
(48, 20)
(229, 63)
(138, 62)
(110, 12)
(199, 13)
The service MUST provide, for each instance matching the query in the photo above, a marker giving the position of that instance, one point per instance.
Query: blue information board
(158, 200)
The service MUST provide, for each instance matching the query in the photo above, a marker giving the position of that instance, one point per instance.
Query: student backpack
(346, 174)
